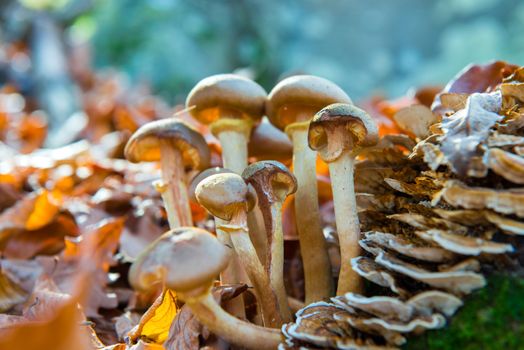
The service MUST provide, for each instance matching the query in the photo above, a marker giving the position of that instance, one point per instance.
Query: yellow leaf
(155, 323)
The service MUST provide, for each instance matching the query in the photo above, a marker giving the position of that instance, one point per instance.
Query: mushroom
(338, 132)
(229, 198)
(231, 105)
(273, 182)
(187, 260)
(269, 143)
(290, 106)
(177, 146)
(234, 271)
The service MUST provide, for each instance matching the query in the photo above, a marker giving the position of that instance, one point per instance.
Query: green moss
(491, 319)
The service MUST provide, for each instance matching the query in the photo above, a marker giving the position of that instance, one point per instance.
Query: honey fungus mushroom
(339, 132)
(187, 260)
(234, 272)
(176, 146)
(231, 105)
(229, 198)
(290, 106)
(273, 182)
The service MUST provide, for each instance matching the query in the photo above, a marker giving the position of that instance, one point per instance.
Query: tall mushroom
(231, 105)
(187, 260)
(290, 106)
(234, 272)
(176, 146)
(273, 182)
(339, 132)
(227, 196)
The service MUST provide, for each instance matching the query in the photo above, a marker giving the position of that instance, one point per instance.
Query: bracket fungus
(187, 260)
(273, 182)
(176, 146)
(290, 106)
(338, 133)
(229, 198)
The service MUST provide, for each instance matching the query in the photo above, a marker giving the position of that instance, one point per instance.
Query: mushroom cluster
(246, 200)
(437, 209)
(418, 215)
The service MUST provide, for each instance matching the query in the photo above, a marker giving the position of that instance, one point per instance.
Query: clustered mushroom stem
(235, 331)
(175, 197)
(234, 158)
(233, 273)
(341, 172)
(237, 229)
(276, 261)
(313, 247)
(234, 150)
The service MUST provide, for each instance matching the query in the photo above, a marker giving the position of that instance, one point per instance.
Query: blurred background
(376, 47)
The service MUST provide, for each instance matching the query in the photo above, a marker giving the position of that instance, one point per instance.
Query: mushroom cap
(359, 130)
(228, 91)
(268, 142)
(145, 143)
(270, 179)
(223, 195)
(302, 90)
(201, 176)
(186, 258)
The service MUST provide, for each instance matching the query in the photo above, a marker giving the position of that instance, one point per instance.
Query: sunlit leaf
(155, 323)
(46, 207)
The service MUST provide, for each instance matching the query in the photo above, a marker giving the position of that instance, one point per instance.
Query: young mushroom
(231, 105)
(176, 146)
(273, 182)
(228, 197)
(290, 106)
(187, 260)
(234, 272)
(339, 132)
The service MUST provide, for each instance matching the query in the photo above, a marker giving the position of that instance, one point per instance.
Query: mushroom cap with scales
(185, 258)
(144, 145)
(358, 130)
(227, 91)
(301, 91)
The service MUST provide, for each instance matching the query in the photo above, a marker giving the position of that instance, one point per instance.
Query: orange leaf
(46, 207)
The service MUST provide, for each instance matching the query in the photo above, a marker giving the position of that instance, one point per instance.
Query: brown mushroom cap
(268, 142)
(203, 175)
(226, 91)
(271, 179)
(186, 258)
(301, 91)
(144, 145)
(225, 194)
(360, 130)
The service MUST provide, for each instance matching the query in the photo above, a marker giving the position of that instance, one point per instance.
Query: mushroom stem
(235, 331)
(234, 158)
(237, 229)
(348, 228)
(233, 273)
(234, 150)
(313, 247)
(276, 261)
(175, 197)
